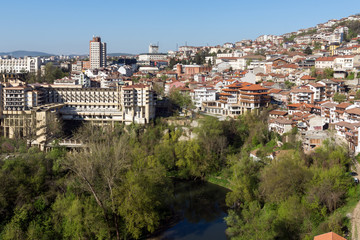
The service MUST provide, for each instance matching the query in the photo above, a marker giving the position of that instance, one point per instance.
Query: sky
(129, 26)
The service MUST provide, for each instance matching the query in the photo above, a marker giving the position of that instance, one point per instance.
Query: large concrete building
(18, 65)
(28, 111)
(97, 53)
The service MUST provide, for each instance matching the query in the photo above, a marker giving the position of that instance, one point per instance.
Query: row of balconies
(14, 99)
(13, 91)
(14, 103)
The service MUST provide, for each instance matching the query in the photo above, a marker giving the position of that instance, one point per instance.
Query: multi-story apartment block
(328, 112)
(302, 95)
(203, 94)
(331, 87)
(346, 63)
(18, 65)
(27, 109)
(254, 97)
(324, 62)
(97, 53)
(319, 91)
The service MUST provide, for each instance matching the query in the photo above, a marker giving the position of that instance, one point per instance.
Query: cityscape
(256, 138)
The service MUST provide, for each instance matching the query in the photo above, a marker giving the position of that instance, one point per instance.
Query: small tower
(153, 48)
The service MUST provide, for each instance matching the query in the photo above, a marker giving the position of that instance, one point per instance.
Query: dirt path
(355, 216)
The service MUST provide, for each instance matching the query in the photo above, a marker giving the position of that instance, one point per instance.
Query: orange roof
(343, 105)
(296, 105)
(230, 90)
(355, 111)
(254, 87)
(225, 94)
(268, 83)
(329, 236)
(275, 90)
(307, 77)
(135, 86)
(326, 59)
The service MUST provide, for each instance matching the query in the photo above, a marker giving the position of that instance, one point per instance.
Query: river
(200, 207)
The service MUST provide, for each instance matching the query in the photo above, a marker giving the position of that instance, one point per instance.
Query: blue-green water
(201, 210)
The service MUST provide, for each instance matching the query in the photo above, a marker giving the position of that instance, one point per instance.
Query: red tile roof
(326, 59)
(343, 105)
(353, 111)
(307, 77)
(254, 87)
(329, 236)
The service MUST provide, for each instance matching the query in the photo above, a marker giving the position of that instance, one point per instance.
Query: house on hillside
(329, 236)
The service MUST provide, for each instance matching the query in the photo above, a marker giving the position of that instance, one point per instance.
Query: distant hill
(22, 53)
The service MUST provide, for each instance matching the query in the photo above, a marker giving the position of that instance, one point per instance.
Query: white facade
(203, 95)
(152, 57)
(97, 53)
(18, 65)
(125, 70)
(345, 63)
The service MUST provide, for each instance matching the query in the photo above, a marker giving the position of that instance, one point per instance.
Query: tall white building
(97, 53)
(18, 65)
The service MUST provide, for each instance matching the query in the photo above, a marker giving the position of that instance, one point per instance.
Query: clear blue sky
(65, 27)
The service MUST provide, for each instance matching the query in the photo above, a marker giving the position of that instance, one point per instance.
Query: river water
(201, 209)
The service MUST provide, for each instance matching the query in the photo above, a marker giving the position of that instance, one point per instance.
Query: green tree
(213, 142)
(329, 187)
(244, 182)
(338, 97)
(284, 178)
(165, 150)
(141, 195)
(180, 99)
(357, 95)
(253, 222)
(308, 51)
(317, 46)
(289, 84)
(191, 162)
(79, 218)
(99, 172)
(328, 73)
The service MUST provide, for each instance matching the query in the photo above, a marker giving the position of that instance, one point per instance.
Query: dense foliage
(293, 197)
(49, 74)
(119, 187)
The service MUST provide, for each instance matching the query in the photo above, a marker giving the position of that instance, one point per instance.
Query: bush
(7, 147)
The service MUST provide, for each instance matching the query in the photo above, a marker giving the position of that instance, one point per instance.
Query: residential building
(19, 65)
(302, 95)
(324, 62)
(97, 53)
(25, 106)
(253, 97)
(203, 94)
(319, 91)
(329, 236)
(328, 112)
(280, 125)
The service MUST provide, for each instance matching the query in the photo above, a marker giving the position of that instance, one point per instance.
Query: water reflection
(201, 207)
